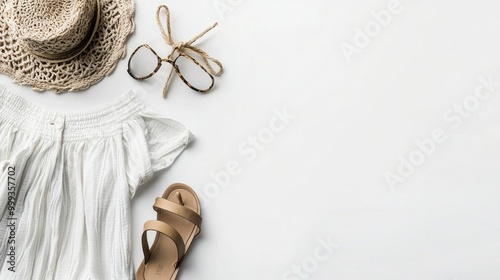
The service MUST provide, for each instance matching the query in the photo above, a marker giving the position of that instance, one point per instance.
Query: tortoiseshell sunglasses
(145, 62)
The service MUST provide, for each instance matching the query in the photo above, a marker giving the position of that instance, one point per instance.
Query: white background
(355, 118)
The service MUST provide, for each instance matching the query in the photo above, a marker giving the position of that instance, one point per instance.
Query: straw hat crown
(55, 29)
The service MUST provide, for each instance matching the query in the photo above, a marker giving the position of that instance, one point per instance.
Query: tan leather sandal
(178, 222)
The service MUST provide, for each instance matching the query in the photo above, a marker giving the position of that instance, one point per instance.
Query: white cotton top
(66, 180)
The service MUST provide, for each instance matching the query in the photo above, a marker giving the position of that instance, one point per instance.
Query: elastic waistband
(96, 123)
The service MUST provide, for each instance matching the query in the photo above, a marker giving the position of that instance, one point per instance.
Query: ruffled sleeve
(151, 142)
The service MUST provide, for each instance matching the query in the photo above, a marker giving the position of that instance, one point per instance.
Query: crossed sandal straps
(178, 222)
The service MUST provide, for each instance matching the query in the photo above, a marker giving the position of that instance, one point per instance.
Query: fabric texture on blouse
(66, 181)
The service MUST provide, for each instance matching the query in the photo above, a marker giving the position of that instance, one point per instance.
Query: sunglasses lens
(143, 63)
(193, 73)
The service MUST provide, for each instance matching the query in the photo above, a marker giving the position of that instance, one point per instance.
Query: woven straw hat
(64, 45)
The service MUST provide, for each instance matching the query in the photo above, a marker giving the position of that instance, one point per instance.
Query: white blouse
(66, 180)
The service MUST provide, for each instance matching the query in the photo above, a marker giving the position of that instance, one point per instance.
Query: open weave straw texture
(58, 25)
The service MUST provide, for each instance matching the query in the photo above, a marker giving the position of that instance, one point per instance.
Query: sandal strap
(166, 230)
(179, 210)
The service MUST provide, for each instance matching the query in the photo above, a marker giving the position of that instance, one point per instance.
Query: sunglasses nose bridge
(166, 60)
(169, 61)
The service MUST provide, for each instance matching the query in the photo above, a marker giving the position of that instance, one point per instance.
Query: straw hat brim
(98, 60)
